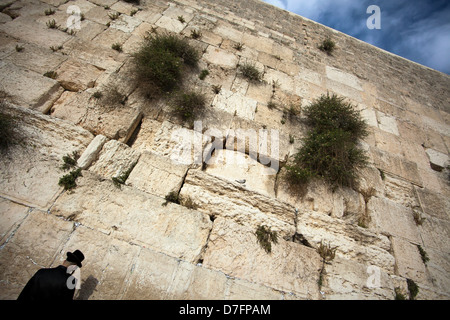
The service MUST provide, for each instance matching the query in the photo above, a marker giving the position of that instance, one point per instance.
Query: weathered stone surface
(386, 215)
(135, 216)
(35, 162)
(125, 23)
(235, 103)
(74, 75)
(155, 175)
(80, 108)
(438, 160)
(396, 165)
(34, 245)
(233, 248)
(435, 232)
(220, 57)
(239, 167)
(27, 29)
(11, 216)
(107, 264)
(433, 204)
(350, 280)
(351, 242)
(170, 140)
(28, 88)
(114, 159)
(222, 198)
(408, 262)
(90, 154)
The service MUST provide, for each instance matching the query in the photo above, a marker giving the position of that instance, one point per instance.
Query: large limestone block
(74, 75)
(29, 30)
(235, 103)
(80, 108)
(155, 175)
(179, 144)
(125, 23)
(220, 57)
(135, 216)
(145, 135)
(107, 264)
(90, 154)
(35, 161)
(222, 198)
(100, 55)
(11, 216)
(239, 167)
(408, 261)
(439, 269)
(172, 25)
(28, 88)
(433, 204)
(114, 159)
(351, 280)
(438, 160)
(152, 276)
(396, 165)
(34, 245)
(392, 218)
(351, 242)
(435, 233)
(343, 77)
(233, 249)
(387, 123)
(36, 58)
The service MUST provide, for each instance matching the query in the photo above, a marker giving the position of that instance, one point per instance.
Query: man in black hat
(53, 283)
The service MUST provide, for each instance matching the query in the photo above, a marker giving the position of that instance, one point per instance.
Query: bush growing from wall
(330, 150)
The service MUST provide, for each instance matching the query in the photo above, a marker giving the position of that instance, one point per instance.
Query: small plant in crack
(238, 46)
(327, 253)
(188, 105)
(413, 289)
(203, 74)
(19, 48)
(181, 19)
(114, 15)
(51, 24)
(250, 72)
(196, 34)
(70, 161)
(68, 181)
(216, 88)
(117, 47)
(49, 12)
(188, 202)
(266, 237)
(173, 197)
(399, 294)
(120, 180)
(327, 46)
(51, 74)
(423, 254)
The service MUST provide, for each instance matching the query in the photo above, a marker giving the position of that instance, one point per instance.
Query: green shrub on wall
(330, 149)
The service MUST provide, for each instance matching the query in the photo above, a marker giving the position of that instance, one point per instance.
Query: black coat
(48, 284)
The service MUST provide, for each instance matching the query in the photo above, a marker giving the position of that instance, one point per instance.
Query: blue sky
(416, 30)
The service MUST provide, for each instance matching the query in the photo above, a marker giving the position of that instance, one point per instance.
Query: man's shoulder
(51, 271)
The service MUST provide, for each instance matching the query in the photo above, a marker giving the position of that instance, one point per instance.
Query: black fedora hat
(76, 257)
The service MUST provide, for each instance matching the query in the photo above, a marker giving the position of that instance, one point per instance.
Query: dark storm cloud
(416, 30)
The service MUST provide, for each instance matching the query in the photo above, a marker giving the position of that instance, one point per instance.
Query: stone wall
(137, 246)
